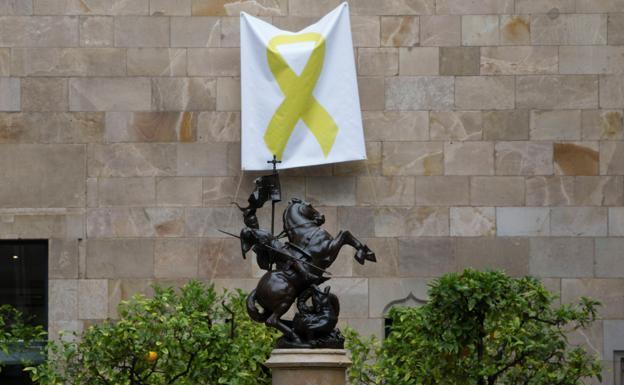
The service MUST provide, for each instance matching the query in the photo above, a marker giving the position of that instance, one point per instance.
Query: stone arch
(409, 301)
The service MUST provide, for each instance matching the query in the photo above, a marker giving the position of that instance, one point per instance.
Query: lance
(282, 253)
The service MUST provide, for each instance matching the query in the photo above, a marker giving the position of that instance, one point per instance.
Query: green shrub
(183, 337)
(17, 334)
(479, 328)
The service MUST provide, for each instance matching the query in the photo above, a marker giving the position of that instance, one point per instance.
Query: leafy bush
(177, 337)
(479, 328)
(17, 333)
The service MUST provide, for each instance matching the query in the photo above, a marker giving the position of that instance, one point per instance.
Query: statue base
(309, 366)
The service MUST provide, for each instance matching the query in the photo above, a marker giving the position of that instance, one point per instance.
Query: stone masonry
(494, 133)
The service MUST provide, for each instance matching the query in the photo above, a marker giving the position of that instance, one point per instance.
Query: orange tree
(177, 337)
(479, 328)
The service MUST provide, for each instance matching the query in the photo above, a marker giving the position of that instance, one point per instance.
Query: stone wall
(494, 132)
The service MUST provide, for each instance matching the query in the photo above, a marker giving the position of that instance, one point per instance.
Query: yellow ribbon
(299, 102)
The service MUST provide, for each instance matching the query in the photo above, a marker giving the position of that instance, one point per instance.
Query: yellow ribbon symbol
(299, 102)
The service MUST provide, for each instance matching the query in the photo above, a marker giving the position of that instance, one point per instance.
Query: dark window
(23, 285)
(618, 358)
(387, 327)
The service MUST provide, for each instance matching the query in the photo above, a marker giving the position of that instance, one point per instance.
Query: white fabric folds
(299, 94)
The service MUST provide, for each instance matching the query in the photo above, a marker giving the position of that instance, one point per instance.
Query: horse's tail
(253, 311)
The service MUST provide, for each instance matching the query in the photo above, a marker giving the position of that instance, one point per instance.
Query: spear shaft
(274, 162)
(283, 253)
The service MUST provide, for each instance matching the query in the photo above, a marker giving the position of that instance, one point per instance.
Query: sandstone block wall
(494, 129)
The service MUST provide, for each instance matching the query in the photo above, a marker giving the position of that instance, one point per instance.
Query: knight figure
(296, 263)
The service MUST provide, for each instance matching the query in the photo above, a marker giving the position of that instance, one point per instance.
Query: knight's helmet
(247, 240)
(250, 238)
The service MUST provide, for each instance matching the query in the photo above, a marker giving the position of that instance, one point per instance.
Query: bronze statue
(295, 268)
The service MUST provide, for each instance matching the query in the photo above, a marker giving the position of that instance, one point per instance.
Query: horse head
(300, 213)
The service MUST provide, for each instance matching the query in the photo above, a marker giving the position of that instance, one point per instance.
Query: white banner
(300, 98)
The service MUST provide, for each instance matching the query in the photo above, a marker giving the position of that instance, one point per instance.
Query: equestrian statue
(296, 262)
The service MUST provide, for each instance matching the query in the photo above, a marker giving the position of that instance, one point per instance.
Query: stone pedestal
(309, 366)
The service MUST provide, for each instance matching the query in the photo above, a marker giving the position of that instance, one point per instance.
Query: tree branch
(186, 371)
(492, 378)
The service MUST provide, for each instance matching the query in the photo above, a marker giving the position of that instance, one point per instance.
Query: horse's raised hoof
(359, 256)
(365, 254)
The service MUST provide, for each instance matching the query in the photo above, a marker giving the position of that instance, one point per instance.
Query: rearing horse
(302, 225)
(307, 242)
